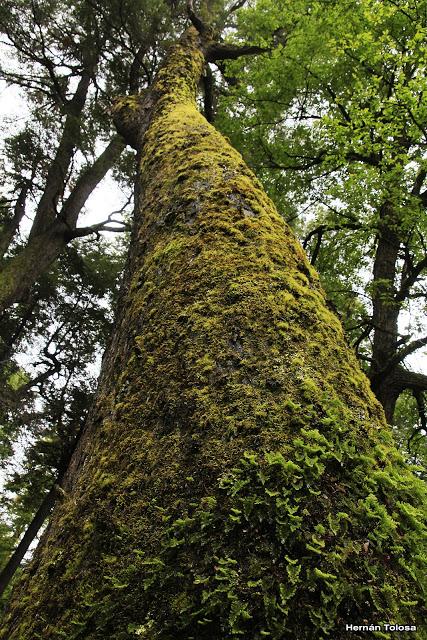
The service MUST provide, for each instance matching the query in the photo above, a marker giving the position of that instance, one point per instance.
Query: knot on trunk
(131, 116)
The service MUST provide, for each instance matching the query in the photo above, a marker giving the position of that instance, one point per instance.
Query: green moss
(283, 568)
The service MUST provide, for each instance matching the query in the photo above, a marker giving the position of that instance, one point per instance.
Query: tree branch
(410, 280)
(196, 21)
(400, 377)
(410, 380)
(324, 228)
(418, 183)
(81, 232)
(208, 95)
(408, 349)
(219, 51)
(237, 5)
(89, 179)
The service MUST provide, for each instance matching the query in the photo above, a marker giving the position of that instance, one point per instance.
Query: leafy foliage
(62, 329)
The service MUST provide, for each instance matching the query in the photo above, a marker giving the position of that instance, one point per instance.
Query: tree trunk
(20, 272)
(14, 562)
(385, 313)
(236, 478)
(10, 227)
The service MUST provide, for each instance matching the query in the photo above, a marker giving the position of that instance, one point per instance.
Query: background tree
(45, 397)
(56, 290)
(68, 56)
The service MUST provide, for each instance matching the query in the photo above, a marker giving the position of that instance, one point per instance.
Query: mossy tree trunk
(236, 477)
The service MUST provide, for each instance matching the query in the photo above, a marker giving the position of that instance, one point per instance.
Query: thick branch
(404, 379)
(418, 183)
(89, 179)
(398, 376)
(196, 21)
(208, 97)
(219, 51)
(55, 181)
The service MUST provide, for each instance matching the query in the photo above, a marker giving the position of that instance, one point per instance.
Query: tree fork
(237, 477)
(19, 273)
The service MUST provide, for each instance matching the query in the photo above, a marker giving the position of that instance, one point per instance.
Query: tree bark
(385, 312)
(27, 539)
(236, 477)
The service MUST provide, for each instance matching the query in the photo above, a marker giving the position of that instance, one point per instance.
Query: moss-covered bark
(237, 478)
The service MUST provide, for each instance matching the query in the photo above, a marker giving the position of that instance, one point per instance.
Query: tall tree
(338, 125)
(236, 468)
(62, 315)
(67, 57)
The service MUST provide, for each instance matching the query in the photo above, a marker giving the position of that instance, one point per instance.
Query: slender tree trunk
(27, 539)
(10, 228)
(236, 478)
(385, 313)
(14, 562)
(58, 169)
(388, 377)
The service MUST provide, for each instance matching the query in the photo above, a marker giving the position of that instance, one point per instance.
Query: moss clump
(236, 465)
(311, 537)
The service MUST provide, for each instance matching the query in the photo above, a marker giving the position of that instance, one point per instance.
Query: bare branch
(196, 21)
(324, 228)
(81, 232)
(219, 51)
